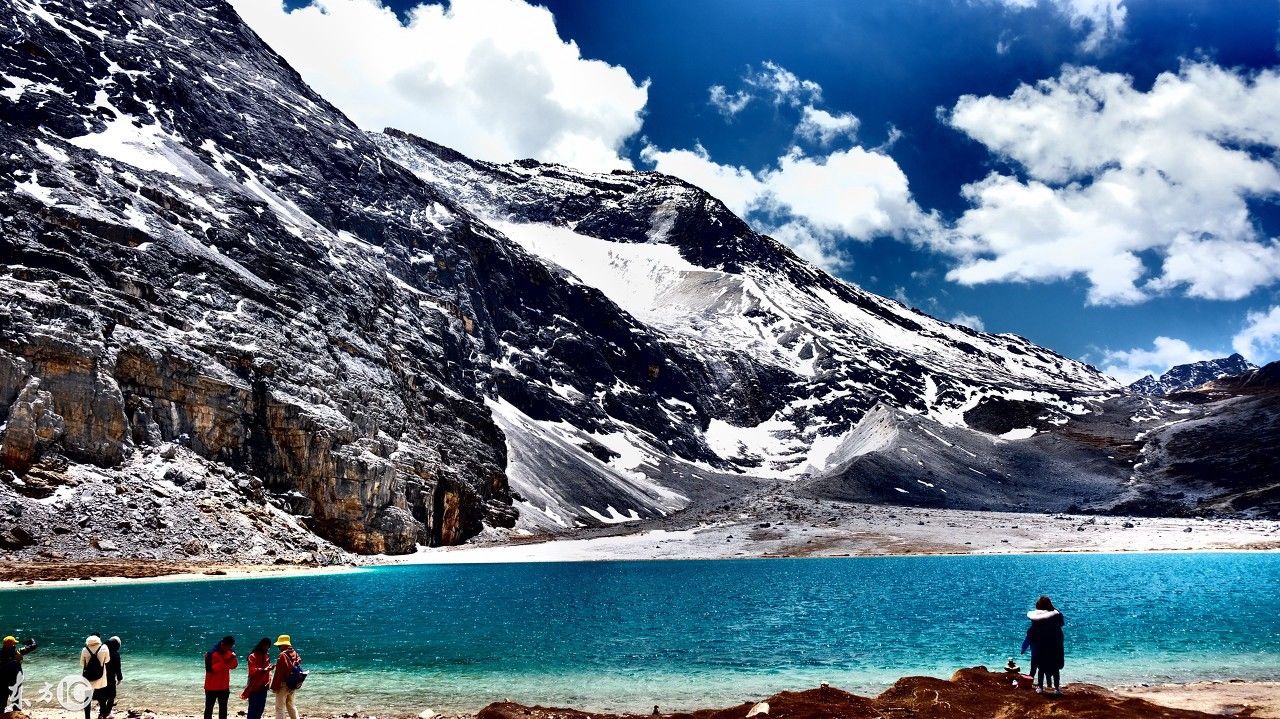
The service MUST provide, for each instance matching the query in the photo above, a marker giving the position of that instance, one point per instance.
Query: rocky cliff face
(200, 252)
(215, 291)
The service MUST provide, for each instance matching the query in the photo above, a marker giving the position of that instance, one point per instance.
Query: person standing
(259, 678)
(114, 676)
(11, 674)
(218, 663)
(283, 682)
(1046, 641)
(93, 667)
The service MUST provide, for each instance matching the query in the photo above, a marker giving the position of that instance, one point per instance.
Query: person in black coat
(114, 677)
(1045, 639)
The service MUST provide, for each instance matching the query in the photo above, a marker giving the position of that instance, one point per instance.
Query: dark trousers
(100, 696)
(257, 703)
(106, 700)
(1048, 677)
(221, 698)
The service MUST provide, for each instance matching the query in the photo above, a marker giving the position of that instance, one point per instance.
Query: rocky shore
(974, 692)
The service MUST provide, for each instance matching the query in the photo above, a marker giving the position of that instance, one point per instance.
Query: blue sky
(901, 68)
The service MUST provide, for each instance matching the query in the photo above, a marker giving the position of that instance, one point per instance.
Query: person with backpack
(218, 663)
(93, 667)
(114, 676)
(259, 678)
(288, 678)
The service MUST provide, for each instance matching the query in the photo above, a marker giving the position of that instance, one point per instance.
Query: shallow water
(628, 635)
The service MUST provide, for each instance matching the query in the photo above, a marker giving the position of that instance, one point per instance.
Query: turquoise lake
(628, 635)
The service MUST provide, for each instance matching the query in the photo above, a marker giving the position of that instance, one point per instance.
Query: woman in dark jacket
(114, 677)
(1044, 637)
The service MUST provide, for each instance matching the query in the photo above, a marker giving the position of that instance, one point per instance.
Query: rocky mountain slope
(1189, 376)
(219, 295)
(1216, 449)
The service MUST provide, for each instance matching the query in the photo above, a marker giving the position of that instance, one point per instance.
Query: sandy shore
(20, 575)
(867, 530)
(1260, 700)
(813, 529)
(1228, 698)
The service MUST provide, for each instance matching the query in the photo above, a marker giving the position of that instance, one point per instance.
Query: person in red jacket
(259, 678)
(218, 663)
(287, 660)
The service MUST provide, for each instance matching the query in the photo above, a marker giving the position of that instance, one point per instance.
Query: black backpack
(93, 669)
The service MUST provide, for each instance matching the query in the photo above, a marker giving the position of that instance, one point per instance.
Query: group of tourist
(100, 669)
(283, 678)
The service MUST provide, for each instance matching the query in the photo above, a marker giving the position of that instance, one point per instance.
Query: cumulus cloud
(823, 127)
(1165, 352)
(811, 203)
(1110, 175)
(1102, 19)
(492, 78)
(973, 322)
(1259, 341)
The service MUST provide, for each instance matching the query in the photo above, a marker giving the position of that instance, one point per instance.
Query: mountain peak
(1191, 375)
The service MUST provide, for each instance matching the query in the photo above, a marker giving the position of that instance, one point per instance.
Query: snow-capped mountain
(1189, 376)
(218, 292)
(821, 353)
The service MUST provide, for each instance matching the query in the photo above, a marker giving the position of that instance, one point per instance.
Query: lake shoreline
(1226, 697)
(63, 573)
(859, 531)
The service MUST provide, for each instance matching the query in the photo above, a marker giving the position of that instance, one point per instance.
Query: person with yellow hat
(288, 677)
(11, 673)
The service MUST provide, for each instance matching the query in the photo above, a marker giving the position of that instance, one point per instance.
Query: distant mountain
(1189, 376)
(1265, 379)
(1214, 448)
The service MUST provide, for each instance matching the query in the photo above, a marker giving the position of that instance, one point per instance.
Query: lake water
(628, 635)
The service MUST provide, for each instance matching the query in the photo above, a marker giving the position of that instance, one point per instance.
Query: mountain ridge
(227, 306)
(1188, 376)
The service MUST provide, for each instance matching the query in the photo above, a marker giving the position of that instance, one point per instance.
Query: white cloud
(1259, 341)
(973, 322)
(737, 187)
(823, 127)
(1104, 19)
(1131, 365)
(774, 82)
(811, 203)
(856, 193)
(492, 78)
(782, 85)
(1113, 175)
(729, 104)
